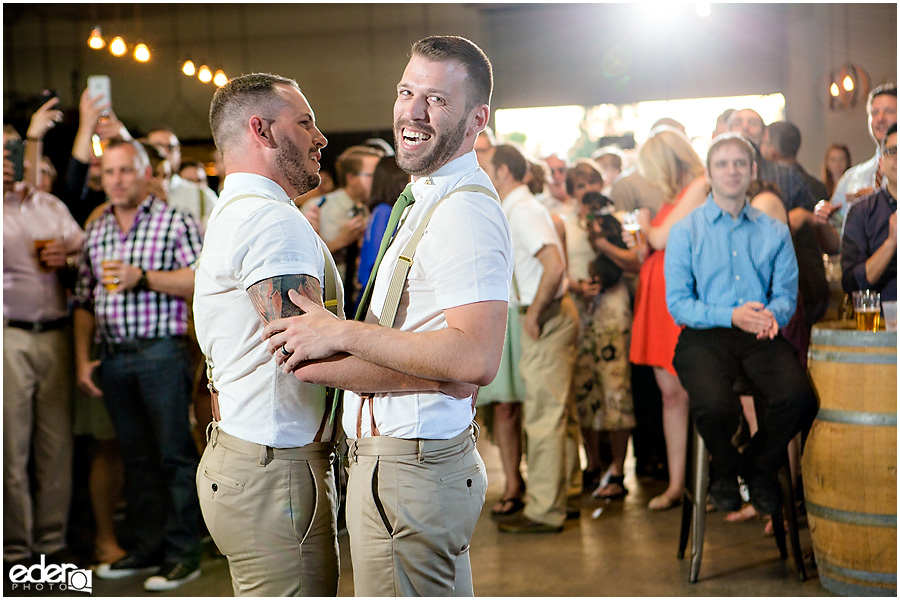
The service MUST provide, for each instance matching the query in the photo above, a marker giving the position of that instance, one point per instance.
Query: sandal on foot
(613, 481)
(746, 513)
(508, 506)
(663, 502)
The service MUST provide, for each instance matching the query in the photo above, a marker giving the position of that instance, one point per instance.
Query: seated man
(731, 281)
(869, 255)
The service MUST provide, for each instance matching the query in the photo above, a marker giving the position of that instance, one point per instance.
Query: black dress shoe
(522, 524)
(765, 493)
(725, 494)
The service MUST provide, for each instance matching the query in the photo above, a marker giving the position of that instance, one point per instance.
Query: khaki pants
(547, 366)
(37, 422)
(273, 513)
(412, 507)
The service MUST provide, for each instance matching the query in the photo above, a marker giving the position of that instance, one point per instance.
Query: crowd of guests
(98, 328)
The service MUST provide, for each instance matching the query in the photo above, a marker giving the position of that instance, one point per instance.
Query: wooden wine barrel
(850, 459)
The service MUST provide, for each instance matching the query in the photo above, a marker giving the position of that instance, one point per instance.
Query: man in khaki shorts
(265, 481)
(417, 484)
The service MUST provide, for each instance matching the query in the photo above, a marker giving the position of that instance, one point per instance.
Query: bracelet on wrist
(142, 283)
(32, 139)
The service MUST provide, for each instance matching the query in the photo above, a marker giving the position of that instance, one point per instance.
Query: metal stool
(694, 506)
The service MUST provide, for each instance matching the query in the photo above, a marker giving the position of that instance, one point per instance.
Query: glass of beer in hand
(631, 225)
(110, 280)
(867, 306)
(40, 242)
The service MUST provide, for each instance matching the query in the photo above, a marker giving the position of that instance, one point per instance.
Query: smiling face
(298, 142)
(432, 122)
(730, 170)
(124, 177)
(882, 114)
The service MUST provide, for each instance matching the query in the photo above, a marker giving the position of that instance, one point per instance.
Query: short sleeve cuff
(463, 297)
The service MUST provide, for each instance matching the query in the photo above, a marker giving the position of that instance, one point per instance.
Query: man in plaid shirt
(135, 279)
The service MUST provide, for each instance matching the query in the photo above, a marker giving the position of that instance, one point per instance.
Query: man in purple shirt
(135, 277)
(40, 238)
(869, 244)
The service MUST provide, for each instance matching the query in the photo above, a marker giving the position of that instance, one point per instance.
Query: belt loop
(421, 445)
(351, 451)
(212, 433)
(476, 431)
(265, 455)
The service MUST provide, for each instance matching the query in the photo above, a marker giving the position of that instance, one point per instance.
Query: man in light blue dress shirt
(731, 282)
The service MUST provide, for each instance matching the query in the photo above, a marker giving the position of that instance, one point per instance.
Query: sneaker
(126, 567)
(171, 576)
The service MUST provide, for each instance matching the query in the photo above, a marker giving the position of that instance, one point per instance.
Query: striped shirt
(162, 238)
(715, 263)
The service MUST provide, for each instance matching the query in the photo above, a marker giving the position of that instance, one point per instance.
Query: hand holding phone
(15, 153)
(99, 87)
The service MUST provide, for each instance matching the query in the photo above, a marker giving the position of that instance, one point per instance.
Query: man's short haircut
(892, 130)
(118, 142)
(785, 136)
(512, 157)
(582, 170)
(610, 154)
(350, 162)
(164, 128)
(236, 101)
(478, 67)
(888, 89)
(731, 137)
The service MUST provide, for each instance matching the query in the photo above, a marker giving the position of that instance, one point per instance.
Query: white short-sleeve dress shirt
(532, 229)
(247, 241)
(464, 257)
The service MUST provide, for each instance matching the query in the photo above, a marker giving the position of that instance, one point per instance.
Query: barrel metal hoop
(854, 590)
(852, 357)
(851, 337)
(850, 517)
(873, 576)
(856, 417)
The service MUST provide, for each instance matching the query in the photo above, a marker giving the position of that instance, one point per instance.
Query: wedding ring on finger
(116, 280)
(284, 351)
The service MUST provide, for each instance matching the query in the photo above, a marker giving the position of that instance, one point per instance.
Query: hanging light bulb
(204, 74)
(96, 40)
(141, 52)
(835, 92)
(188, 68)
(220, 79)
(848, 83)
(117, 46)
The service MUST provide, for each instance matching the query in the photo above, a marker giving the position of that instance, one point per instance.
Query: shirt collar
(236, 183)
(713, 212)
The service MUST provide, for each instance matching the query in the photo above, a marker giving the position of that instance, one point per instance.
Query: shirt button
(738, 277)
(734, 253)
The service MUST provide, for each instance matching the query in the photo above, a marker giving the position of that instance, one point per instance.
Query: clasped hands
(316, 335)
(754, 317)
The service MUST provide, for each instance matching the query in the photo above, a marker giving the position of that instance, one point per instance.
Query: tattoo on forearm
(270, 296)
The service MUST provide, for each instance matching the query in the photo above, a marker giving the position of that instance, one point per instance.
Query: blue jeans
(147, 390)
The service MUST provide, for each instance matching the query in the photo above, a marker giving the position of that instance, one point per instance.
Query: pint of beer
(39, 245)
(109, 281)
(867, 306)
(631, 225)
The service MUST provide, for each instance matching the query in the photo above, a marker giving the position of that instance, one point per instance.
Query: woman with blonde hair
(668, 162)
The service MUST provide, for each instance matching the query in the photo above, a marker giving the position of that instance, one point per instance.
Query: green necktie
(405, 199)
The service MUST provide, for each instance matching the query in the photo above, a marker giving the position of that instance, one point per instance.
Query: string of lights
(118, 47)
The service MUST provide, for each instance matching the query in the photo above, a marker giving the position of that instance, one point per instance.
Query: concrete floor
(616, 548)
